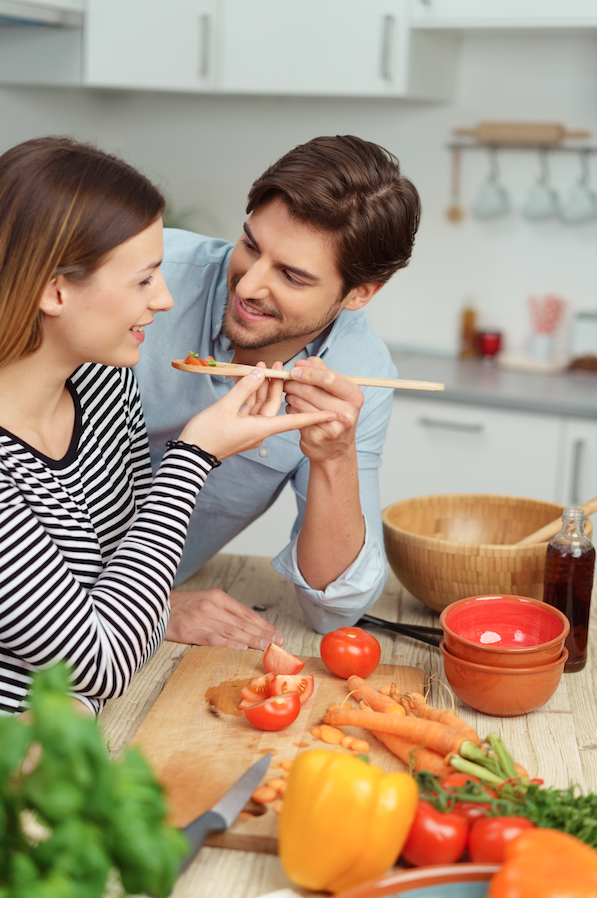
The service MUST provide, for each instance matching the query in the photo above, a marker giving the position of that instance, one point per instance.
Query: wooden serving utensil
(549, 530)
(227, 369)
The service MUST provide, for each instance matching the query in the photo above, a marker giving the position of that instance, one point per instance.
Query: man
(328, 225)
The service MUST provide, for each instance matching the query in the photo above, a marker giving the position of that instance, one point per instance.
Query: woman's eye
(147, 281)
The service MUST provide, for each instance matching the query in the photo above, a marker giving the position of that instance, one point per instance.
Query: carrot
(279, 786)
(447, 717)
(362, 690)
(286, 765)
(264, 794)
(331, 735)
(428, 733)
(360, 746)
(403, 698)
(316, 732)
(414, 755)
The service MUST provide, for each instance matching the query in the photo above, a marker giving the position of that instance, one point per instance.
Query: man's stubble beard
(282, 336)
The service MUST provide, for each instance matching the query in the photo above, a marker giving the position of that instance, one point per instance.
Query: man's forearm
(333, 529)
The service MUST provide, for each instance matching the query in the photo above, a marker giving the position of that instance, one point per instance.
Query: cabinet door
(503, 13)
(334, 47)
(442, 447)
(577, 475)
(165, 45)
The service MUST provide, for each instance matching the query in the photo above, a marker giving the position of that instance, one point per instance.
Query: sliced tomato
(274, 713)
(247, 704)
(258, 689)
(301, 683)
(279, 661)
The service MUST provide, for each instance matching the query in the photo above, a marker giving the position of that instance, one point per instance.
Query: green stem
(472, 752)
(503, 755)
(477, 770)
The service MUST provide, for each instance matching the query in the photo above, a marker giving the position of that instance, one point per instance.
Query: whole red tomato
(471, 811)
(435, 838)
(488, 838)
(275, 713)
(349, 651)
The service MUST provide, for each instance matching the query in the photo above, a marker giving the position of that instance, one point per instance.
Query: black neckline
(73, 449)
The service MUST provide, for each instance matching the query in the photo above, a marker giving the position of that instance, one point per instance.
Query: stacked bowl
(503, 655)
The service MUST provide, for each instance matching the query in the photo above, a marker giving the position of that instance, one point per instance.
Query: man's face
(284, 286)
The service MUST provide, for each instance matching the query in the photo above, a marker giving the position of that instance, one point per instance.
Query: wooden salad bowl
(448, 547)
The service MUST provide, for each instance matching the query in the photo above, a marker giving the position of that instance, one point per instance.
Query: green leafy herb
(68, 815)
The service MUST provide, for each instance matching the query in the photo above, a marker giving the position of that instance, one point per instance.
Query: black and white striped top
(89, 546)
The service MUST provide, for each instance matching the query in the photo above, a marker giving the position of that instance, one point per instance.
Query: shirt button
(263, 452)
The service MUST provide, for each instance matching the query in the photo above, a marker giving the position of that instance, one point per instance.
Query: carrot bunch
(423, 737)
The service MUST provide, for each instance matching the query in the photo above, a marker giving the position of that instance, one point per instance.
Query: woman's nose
(161, 300)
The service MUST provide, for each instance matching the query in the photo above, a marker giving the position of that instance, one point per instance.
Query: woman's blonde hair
(64, 205)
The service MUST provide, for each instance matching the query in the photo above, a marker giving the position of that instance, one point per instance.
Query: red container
(489, 343)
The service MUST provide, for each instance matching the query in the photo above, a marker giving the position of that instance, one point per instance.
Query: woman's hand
(243, 418)
(212, 617)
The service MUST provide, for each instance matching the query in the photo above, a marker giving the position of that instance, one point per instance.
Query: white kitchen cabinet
(163, 45)
(331, 47)
(577, 470)
(446, 447)
(464, 14)
(41, 41)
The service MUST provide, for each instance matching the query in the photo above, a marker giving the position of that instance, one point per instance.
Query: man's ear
(52, 300)
(360, 296)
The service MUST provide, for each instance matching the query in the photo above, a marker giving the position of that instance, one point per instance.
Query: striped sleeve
(104, 632)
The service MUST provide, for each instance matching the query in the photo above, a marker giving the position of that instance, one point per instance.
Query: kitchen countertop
(471, 382)
(557, 742)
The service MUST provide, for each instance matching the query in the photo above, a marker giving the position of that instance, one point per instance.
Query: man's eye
(293, 280)
(249, 246)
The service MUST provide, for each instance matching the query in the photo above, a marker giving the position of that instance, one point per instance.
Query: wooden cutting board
(199, 744)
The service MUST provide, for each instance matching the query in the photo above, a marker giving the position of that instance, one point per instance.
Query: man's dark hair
(354, 190)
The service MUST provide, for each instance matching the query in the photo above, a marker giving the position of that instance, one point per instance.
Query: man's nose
(254, 284)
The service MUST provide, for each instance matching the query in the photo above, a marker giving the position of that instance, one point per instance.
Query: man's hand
(211, 617)
(314, 387)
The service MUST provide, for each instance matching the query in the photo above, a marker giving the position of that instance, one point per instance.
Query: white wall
(207, 150)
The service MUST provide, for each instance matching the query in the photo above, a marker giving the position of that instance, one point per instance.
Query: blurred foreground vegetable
(546, 863)
(343, 821)
(68, 815)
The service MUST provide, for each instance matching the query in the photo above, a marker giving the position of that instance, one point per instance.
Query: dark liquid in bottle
(568, 586)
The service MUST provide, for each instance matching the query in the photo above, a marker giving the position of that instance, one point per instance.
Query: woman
(88, 544)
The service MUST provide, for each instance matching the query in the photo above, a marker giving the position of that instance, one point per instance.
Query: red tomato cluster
(273, 702)
(438, 837)
(349, 652)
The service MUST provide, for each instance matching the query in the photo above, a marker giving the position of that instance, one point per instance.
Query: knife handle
(197, 832)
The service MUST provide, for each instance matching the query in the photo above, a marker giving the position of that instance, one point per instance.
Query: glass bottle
(568, 583)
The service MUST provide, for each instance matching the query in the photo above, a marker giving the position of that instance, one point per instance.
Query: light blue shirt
(246, 485)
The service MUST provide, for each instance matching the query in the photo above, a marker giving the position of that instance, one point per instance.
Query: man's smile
(246, 310)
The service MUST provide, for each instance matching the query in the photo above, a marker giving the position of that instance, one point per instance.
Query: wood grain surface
(558, 742)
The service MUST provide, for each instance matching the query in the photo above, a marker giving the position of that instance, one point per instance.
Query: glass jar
(568, 583)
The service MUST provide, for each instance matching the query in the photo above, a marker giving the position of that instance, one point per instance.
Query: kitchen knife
(226, 810)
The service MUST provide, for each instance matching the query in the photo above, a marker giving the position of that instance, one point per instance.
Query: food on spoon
(279, 661)
(193, 359)
(350, 650)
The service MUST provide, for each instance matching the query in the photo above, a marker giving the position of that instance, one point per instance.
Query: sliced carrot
(385, 690)
(428, 733)
(279, 785)
(264, 794)
(347, 742)
(331, 734)
(415, 756)
(277, 806)
(447, 717)
(360, 746)
(286, 765)
(316, 732)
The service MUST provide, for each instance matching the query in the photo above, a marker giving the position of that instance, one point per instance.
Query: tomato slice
(279, 661)
(258, 689)
(274, 713)
(301, 683)
(350, 650)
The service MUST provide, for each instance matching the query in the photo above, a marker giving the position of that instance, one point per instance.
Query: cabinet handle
(387, 33)
(577, 454)
(204, 29)
(452, 425)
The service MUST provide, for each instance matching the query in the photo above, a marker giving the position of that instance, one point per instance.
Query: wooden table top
(557, 742)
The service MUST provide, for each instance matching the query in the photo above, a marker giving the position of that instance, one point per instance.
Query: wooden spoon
(549, 530)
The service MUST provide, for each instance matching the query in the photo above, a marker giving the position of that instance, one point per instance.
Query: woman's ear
(52, 300)
(360, 296)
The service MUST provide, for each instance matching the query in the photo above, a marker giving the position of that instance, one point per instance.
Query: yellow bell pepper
(343, 821)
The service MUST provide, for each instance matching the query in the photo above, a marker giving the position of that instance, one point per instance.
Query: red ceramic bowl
(502, 691)
(504, 631)
(455, 880)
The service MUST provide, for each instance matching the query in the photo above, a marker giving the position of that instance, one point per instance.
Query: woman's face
(104, 318)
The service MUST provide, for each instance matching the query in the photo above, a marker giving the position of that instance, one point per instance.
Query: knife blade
(226, 810)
